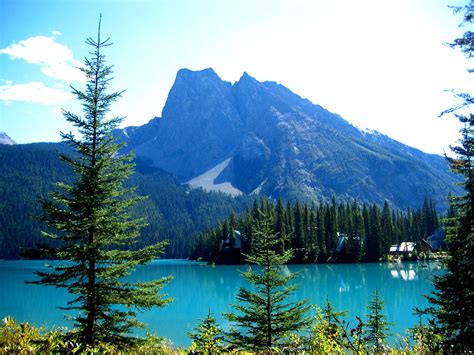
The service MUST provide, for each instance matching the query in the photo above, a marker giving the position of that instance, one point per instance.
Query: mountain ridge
(282, 145)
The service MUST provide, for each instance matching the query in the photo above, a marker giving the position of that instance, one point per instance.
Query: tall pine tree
(90, 219)
(264, 316)
(453, 297)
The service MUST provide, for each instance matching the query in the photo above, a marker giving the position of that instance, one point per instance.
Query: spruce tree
(386, 223)
(374, 231)
(207, 336)
(453, 297)
(313, 237)
(90, 221)
(280, 223)
(299, 237)
(357, 235)
(376, 325)
(321, 233)
(264, 317)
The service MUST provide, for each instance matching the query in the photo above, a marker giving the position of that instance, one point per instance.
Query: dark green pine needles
(92, 225)
(376, 325)
(264, 315)
(453, 296)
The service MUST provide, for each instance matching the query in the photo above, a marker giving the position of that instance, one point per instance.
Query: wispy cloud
(55, 59)
(33, 92)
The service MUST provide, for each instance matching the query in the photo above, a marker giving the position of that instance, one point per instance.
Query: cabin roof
(406, 246)
(403, 247)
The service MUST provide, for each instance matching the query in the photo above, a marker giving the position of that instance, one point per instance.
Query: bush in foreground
(328, 334)
(20, 338)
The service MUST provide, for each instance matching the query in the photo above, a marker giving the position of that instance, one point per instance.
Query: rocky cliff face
(279, 144)
(200, 126)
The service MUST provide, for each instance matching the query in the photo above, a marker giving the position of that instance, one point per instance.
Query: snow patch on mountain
(206, 180)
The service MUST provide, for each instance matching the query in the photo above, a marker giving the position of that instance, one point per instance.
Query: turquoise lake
(197, 287)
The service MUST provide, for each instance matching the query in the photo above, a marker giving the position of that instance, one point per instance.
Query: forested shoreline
(328, 232)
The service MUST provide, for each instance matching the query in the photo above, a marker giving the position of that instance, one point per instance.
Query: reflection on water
(407, 275)
(196, 288)
(408, 271)
(403, 270)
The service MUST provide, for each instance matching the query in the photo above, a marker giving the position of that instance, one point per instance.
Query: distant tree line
(327, 232)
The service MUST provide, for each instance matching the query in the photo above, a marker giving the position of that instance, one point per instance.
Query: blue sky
(379, 64)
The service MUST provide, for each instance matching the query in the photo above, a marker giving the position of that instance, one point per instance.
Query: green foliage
(16, 338)
(344, 232)
(327, 333)
(23, 338)
(173, 211)
(25, 174)
(208, 336)
(453, 298)
(90, 217)
(425, 340)
(264, 317)
(376, 326)
(330, 332)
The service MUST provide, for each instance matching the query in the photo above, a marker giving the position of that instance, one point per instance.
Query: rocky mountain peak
(197, 90)
(246, 78)
(199, 110)
(281, 145)
(189, 76)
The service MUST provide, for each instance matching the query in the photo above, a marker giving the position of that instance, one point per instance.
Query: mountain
(259, 137)
(5, 139)
(173, 210)
(248, 138)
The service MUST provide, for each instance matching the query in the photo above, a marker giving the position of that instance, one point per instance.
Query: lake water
(197, 287)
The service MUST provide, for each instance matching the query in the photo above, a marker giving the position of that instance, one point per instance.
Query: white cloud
(33, 92)
(56, 33)
(56, 60)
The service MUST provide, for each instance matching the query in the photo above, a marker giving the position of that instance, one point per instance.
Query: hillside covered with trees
(174, 212)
